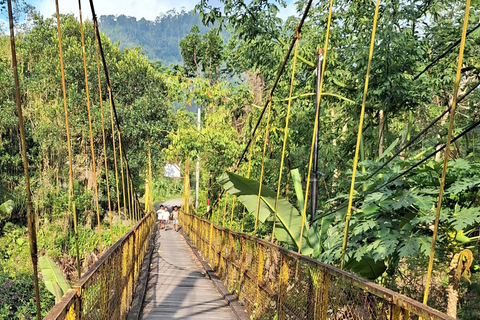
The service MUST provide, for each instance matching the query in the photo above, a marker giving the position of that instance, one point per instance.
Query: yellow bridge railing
(106, 290)
(275, 283)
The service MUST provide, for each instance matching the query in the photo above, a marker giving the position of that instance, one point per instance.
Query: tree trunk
(452, 288)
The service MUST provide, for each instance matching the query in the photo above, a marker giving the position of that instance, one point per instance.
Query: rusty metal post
(282, 286)
(135, 255)
(243, 269)
(123, 299)
(321, 294)
(259, 277)
(311, 296)
(131, 273)
(103, 303)
(210, 242)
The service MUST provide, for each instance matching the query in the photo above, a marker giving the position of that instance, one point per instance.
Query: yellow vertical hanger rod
(285, 136)
(92, 147)
(69, 144)
(267, 131)
(359, 135)
(447, 150)
(315, 127)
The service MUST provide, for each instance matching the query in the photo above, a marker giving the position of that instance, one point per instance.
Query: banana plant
(53, 278)
(6, 209)
(246, 191)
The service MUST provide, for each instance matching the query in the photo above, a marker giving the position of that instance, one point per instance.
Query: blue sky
(148, 9)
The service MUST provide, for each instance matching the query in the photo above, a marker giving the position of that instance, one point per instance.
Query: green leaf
(462, 185)
(389, 149)
(325, 223)
(465, 218)
(6, 209)
(297, 183)
(423, 202)
(404, 201)
(415, 246)
(364, 226)
(369, 209)
(366, 267)
(374, 197)
(459, 164)
(282, 235)
(246, 191)
(53, 278)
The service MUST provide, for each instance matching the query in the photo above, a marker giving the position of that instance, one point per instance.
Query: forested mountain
(159, 39)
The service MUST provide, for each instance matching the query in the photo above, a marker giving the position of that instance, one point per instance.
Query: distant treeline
(159, 39)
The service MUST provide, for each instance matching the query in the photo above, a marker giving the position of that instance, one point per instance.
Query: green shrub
(17, 297)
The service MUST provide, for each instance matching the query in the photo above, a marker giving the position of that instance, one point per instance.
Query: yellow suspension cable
(224, 210)
(148, 187)
(231, 216)
(69, 144)
(218, 212)
(287, 118)
(104, 142)
(125, 213)
(92, 147)
(95, 24)
(317, 114)
(134, 207)
(267, 131)
(248, 176)
(32, 232)
(447, 151)
(129, 203)
(186, 188)
(359, 136)
(134, 204)
(115, 157)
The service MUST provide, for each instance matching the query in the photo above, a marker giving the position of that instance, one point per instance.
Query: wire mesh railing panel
(106, 290)
(272, 282)
(235, 258)
(249, 281)
(347, 301)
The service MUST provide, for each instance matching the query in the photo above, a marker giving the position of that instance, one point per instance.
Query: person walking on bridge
(160, 214)
(165, 218)
(175, 218)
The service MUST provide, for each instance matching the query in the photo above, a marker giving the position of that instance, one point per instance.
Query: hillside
(159, 39)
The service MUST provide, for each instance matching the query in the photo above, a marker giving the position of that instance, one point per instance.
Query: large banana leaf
(246, 191)
(53, 278)
(297, 184)
(6, 209)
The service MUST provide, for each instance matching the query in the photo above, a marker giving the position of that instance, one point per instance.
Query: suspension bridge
(207, 270)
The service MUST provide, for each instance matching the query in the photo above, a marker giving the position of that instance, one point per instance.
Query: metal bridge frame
(273, 282)
(106, 290)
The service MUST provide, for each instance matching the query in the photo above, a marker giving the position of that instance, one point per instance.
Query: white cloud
(148, 9)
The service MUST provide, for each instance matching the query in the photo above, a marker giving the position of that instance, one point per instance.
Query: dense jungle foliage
(392, 220)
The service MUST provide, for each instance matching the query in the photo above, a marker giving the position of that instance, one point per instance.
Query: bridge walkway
(178, 286)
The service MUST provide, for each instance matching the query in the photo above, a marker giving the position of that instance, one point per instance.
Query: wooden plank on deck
(178, 287)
